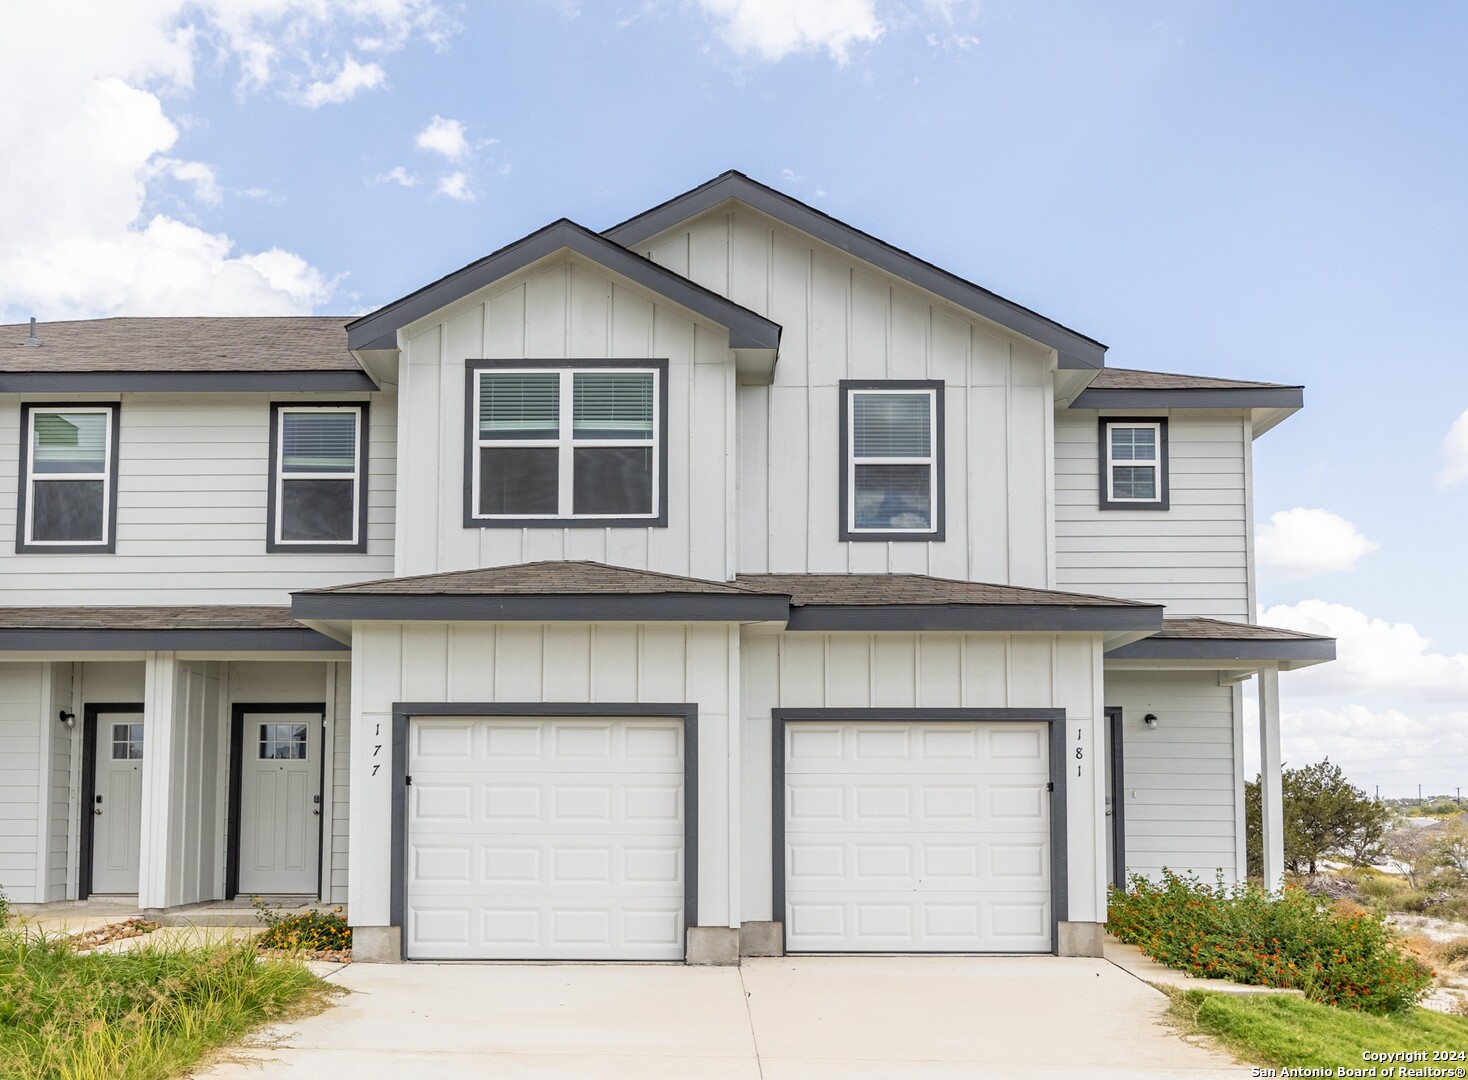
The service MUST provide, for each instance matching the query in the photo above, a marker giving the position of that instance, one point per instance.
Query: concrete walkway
(812, 1018)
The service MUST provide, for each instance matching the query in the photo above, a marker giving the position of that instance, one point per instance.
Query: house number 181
(1080, 753)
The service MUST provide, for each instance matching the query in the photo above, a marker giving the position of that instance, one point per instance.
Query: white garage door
(534, 838)
(917, 837)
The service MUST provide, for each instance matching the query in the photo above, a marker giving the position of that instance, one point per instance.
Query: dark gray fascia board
(589, 607)
(1075, 349)
(52, 639)
(182, 382)
(1283, 397)
(1031, 617)
(378, 330)
(1317, 650)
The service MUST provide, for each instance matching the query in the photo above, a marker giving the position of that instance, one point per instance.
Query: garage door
(917, 837)
(534, 838)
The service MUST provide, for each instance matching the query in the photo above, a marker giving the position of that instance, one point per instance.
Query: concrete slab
(928, 1018)
(1132, 960)
(181, 937)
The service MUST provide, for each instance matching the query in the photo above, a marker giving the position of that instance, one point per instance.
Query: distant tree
(1324, 814)
(1450, 848)
(1412, 852)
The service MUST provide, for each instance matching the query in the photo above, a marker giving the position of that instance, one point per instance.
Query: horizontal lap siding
(568, 310)
(1192, 557)
(1180, 800)
(193, 474)
(842, 319)
(21, 696)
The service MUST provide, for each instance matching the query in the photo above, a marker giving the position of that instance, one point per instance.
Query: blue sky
(1245, 189)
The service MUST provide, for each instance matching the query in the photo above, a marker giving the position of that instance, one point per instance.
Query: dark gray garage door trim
(1055, 718)
(405, 711)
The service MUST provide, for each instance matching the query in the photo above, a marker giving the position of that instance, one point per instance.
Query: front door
(280, 803)
(117, 802)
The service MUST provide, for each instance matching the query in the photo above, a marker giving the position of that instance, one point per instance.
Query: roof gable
(747, 330)
(1074, 349)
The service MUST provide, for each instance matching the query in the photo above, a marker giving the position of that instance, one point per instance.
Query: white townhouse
(726, 583)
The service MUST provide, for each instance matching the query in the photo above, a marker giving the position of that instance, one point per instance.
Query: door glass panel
(282, 742)
(127, 742)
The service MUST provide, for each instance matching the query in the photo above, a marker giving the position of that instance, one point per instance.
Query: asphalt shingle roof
(539, 579)
(1220, 630)
(204, 617)
(1134, 379)
(876, 589)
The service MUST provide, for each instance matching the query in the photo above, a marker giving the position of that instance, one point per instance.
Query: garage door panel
(917, 837)
(546, 839)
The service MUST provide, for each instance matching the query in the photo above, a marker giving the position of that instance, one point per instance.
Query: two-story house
(729, 581)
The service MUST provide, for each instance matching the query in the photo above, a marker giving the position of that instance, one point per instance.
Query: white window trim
(1154, 462)
(566, 443)
(32, 477)
(852, 461)
(281, 477)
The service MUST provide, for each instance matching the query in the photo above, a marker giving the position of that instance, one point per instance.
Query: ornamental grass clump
(1293, 939)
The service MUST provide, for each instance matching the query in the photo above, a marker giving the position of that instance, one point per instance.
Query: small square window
(1133, 455)
(892, 460)
(127, 742)
(282, 742)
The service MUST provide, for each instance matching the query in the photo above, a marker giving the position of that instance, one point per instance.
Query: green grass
(1278, 1030)
(147, 1014)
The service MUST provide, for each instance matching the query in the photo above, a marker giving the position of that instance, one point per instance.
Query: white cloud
(397, 175)
(351, 80)
(1303, 542)
(1371, 655)
(444, 136)
(94, 138)
(1455, 453)
(775, 29)
(456, 186)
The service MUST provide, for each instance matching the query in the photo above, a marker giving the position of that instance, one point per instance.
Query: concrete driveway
(811, 1018)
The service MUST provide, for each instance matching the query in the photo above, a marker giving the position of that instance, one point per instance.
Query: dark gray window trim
(86, 833)
(936, 535)
(472, 367)
(184, 382)
(1282, 397)
(747, 330)
(283, 639)
(581, 607)
(1246, 650)
(1115, 746)
(23, 494)
(405, 711)
(1075, 349)
(363, 427)
(233, 798)
(1163, 469)
(1042, 617)
(1054, 718)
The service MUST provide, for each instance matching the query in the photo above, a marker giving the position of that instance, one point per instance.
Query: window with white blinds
(1134, 464)
(577, 445)
(892, 469)
(69, 475)
(317, 478)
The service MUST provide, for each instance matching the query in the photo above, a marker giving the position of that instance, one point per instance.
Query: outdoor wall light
(67, 718)
(1150, 719)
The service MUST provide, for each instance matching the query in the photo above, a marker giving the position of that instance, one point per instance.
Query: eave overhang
(1280, 397)
(1041, 618)
(1288, 654)
(185, 382)
(122, 639)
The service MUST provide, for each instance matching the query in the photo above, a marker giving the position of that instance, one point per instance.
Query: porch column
(158, 738)
(1271, 797)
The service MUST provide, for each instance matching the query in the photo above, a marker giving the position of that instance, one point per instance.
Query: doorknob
(313, 811)
(98, 812)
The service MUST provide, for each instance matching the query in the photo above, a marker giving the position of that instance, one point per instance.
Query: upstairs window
(318, 457)
(68, 479)
(581, 443)
(891, 460)
(1133, 464)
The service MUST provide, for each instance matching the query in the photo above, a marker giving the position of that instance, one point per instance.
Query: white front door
(280, 803)
(117, 802)
(545, 838)
(917, 836)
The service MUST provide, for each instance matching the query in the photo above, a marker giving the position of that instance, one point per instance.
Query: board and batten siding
(1193, 557)
(928, 670)
(560, 663)
(1181, 800)
(193, 474)
(60, 778)
(22, 696)
(567, 308)
(845, 319)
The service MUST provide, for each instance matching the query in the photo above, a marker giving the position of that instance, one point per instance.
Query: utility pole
(1419, 794)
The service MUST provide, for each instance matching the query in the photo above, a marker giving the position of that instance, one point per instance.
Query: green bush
(309, 931)
(4, 908)
(1377, 887)
(1246, 935)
